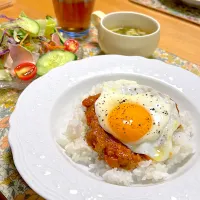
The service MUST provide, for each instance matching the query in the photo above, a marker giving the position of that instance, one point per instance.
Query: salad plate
(28, 48)
(46, 105)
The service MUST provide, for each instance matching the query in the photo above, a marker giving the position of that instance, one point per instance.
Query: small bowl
(114, 43)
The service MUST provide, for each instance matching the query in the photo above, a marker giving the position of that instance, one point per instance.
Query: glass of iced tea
(74, 16)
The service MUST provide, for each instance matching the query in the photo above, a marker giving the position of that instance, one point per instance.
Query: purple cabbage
(4, 51)
(5, 17)
(11, 40)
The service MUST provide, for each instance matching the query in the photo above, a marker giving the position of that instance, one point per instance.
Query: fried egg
(139, 116)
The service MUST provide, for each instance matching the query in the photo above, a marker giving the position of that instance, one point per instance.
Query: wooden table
(177, 36)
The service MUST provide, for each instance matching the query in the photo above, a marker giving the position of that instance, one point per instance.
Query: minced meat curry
(115, 154)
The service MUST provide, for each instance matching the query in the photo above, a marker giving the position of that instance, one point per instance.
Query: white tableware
(114, 43)
(46, 105)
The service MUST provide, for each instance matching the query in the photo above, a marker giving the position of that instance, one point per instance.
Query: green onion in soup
(129, 31)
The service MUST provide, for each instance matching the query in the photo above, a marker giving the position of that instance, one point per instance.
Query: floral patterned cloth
(173, 7)
(11, 183)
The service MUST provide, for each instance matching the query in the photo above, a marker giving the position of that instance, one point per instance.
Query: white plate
(44, 108)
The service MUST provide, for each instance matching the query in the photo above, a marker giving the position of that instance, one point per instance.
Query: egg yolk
(129, 122)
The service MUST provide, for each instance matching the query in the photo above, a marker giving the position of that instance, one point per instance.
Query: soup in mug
(129, 31)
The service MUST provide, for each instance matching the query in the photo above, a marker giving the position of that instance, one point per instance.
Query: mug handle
(96, 18)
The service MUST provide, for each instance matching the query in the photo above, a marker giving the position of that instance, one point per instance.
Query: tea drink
(73, 15)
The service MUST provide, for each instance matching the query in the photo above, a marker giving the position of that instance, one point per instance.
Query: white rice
(148, 171)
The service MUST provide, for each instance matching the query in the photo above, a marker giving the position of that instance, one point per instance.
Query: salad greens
(47, 26)
(26, 31)
(4, 75)
(24, 40)
(1, 64)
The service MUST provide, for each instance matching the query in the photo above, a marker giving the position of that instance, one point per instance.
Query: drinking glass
(73, 16)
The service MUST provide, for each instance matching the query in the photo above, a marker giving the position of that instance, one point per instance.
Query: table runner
(11, 183)
(173, 7)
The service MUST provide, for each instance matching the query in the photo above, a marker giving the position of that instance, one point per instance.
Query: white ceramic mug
(114, 43)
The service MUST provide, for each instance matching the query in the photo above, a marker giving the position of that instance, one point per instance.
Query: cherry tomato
(71, 45)
(26, 71)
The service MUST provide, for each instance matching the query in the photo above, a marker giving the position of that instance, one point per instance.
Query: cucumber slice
(52, 60)
(29, 25)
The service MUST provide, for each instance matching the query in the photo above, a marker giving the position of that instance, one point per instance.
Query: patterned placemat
(11, 183)
(173, 7)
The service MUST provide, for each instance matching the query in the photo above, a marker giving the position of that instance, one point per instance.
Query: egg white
(157, 143)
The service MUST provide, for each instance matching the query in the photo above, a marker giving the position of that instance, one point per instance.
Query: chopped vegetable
(4, 75)
(22, 14)
(47, 26)
(26, 71)
(32, 46)
(4, 51)
(11, 40)
(5, 17)
(29, 25)
(42, 23)
(1, 36)
(53, 59)
(51, 46)
(19, 55)
(15, 35)
(50, 27)
(24, 41)
(71, 45)
(8, 25)
(60, 36)
(129, 31)
(1, 64)
(55, 38)
(3, 39)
